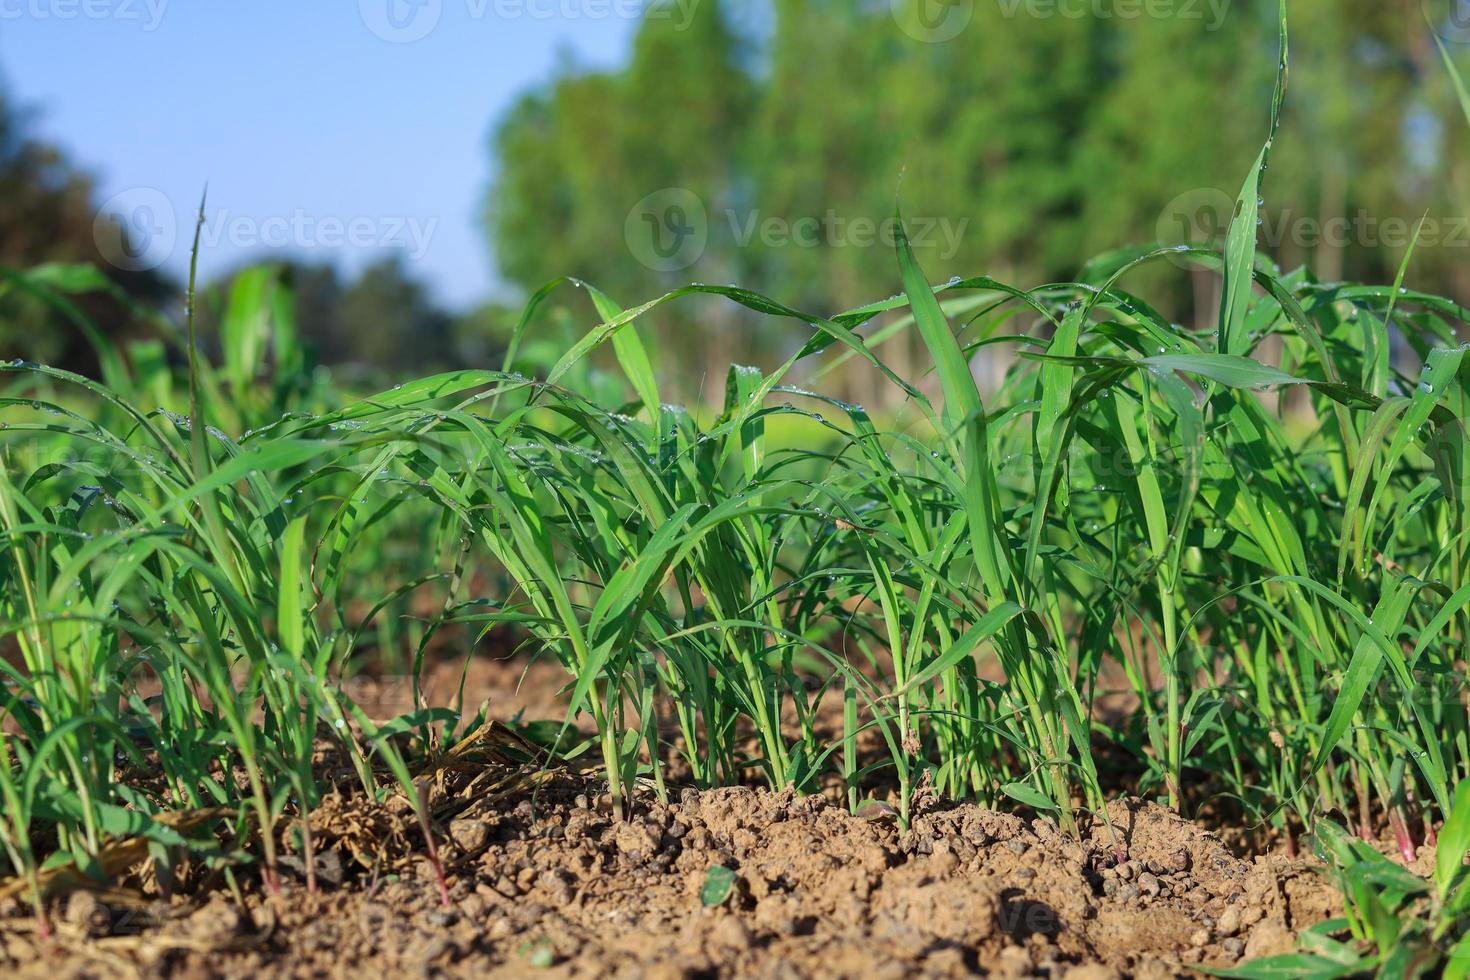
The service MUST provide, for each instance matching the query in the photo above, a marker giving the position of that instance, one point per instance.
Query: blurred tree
(1026, 145)
(46, 215)
(388, 319)
(1375, 140)
(481, 335)
(317, 289)
(383, 320)
(584, 161)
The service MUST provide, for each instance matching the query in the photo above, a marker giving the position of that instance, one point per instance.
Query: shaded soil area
(544, 880)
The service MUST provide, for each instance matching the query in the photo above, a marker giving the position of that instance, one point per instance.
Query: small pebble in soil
(1014, 961)
(469, 835)
(557, 886)
(730, 933)
(944, 860)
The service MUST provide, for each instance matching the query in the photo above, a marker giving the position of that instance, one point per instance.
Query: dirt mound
(550, 881)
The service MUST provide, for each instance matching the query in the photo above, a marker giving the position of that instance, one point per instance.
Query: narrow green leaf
(1454, 841)
(1030, 796)
(290, 611)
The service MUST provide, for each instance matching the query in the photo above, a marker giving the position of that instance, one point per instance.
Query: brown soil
(543, 878)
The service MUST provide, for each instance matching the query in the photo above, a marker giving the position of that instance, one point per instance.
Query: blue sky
(328, 129)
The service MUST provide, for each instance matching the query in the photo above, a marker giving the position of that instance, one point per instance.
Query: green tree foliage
(577, 157)
(1029, 142)
(388, 318)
